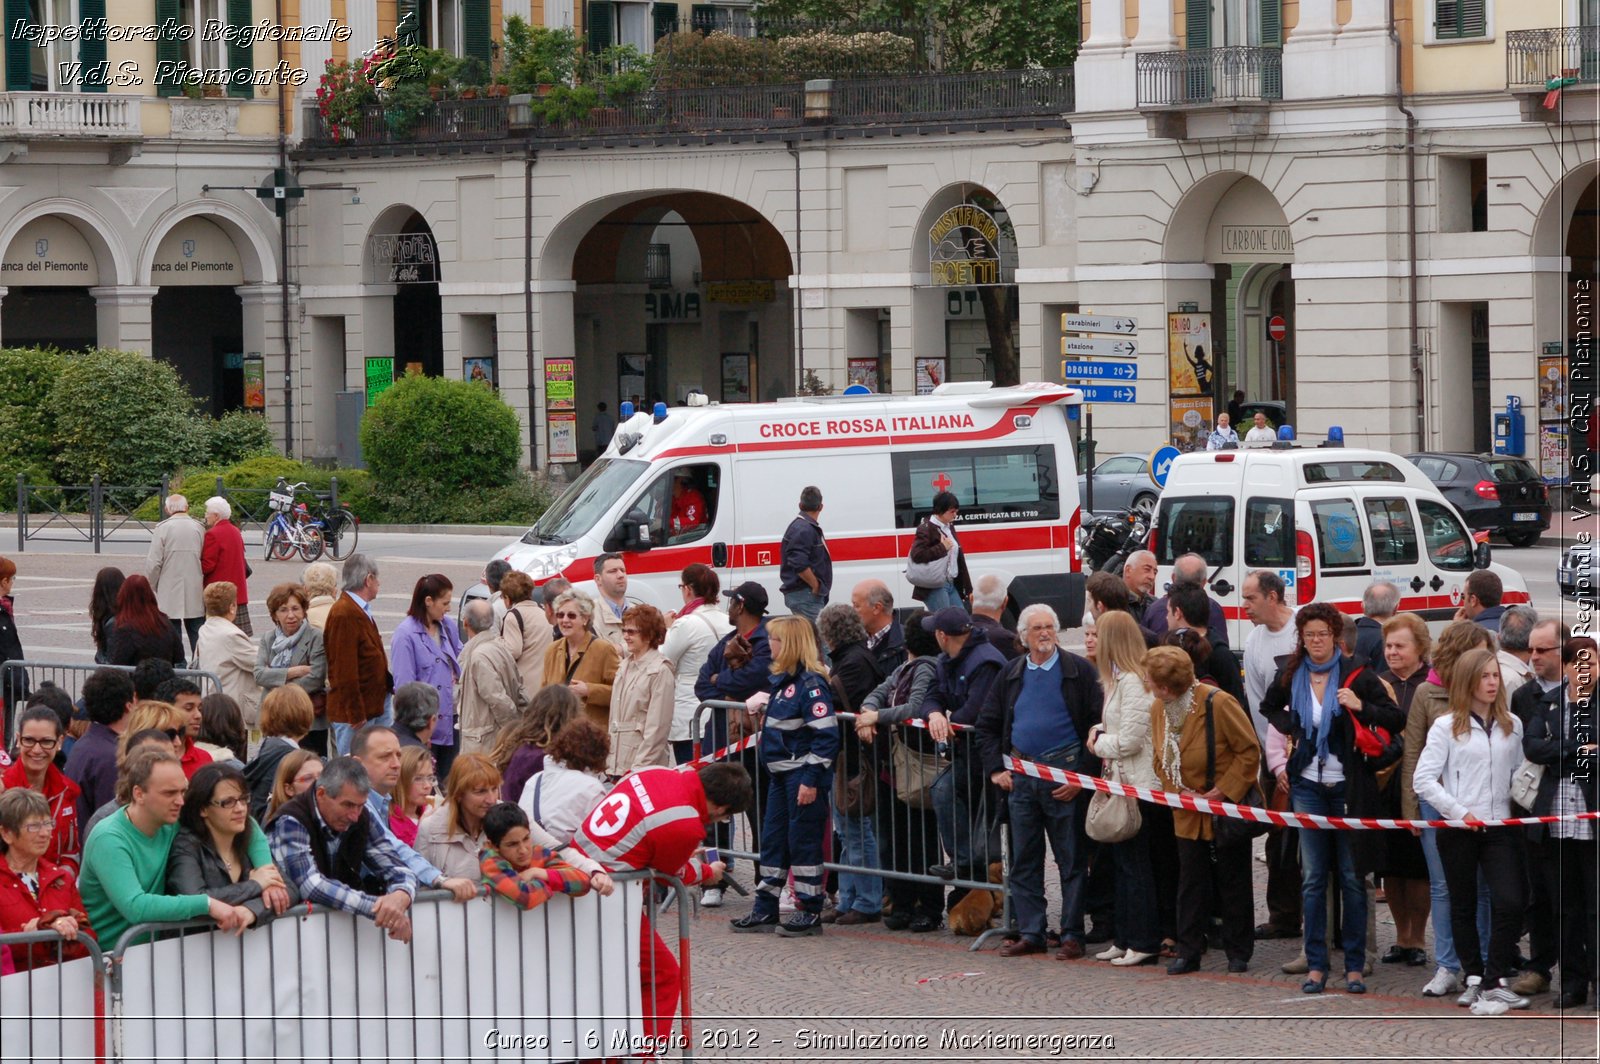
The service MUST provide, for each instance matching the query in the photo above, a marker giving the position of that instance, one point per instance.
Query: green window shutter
(1197, 25)
(703, 17)
(1271, 23)
(408, 7)
(241, 57)
(169, 50)
(1459, 19)
(665, 17)
(475, 36)
(600, 35)
(19, 55)
(92, 50)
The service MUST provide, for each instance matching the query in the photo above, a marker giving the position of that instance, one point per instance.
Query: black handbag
(1227, 830)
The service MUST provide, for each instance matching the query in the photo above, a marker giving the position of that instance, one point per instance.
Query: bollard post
(22, 512)
(333, 493)
(96, 512)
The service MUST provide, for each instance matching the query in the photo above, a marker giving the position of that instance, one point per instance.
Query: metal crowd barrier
(69, 676)
(957, 820)
(55, 1011)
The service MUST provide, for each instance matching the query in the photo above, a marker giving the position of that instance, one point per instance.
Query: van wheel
(1144, 505)
(1523, 539)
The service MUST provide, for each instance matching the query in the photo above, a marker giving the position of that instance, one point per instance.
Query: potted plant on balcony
(342, 93)
(536, 58)
(567, 105)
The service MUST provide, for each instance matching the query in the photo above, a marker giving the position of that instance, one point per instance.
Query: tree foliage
(119, 414)
(962, 34)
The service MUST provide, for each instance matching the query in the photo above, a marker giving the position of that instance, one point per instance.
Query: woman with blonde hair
(579, 659)
(298, 772)
(798, 746)
(413, 793)
(1465, 772)
(1406, 645)
(171, 721)
(1429, 702)
(641, 696)
(451, 836)
(519, 750)
(321, 583)
(1145, 862)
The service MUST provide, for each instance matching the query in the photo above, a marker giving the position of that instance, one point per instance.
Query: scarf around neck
(283, 646)
(1305, 705)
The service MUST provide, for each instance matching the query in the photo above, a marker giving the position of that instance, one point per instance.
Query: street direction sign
(1161, 460)
(1099, 323)
(1100, 371)
(1107, 393)
(1084, 346)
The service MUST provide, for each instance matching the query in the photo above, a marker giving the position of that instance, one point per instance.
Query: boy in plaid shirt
(517, 869)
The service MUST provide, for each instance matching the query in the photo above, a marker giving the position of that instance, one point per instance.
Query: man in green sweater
(125, 863)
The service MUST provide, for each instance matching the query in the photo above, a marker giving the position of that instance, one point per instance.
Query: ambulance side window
(1339, 541)
(1394, 536)
(681, 504)
(1269, 534)
(992, 484)
(1449, 546)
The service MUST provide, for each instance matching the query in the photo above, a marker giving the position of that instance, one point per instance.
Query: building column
(263, 335)
(1156, 32)
(1309, 66)
(122, 316)
(1365, 51)
(1105, 78)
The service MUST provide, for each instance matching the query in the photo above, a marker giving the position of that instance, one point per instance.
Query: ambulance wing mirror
(631, 534)
(1480, 556)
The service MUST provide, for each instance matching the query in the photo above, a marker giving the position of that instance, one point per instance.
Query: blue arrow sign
(1101, 371)
(1161, 460)
(1107, 393)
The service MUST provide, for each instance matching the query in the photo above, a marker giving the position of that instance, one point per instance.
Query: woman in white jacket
(1122, 739)
(1465, 772)
(694, 631)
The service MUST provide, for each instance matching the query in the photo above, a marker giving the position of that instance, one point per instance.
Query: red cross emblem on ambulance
(942, 482)
(1455, 595)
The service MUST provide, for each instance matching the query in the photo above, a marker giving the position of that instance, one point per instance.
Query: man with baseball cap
(737, 667)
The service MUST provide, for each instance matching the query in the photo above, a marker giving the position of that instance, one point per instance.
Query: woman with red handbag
(1406, 646)
(1316, 700)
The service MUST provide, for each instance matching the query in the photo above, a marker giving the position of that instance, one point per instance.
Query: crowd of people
(339, 771)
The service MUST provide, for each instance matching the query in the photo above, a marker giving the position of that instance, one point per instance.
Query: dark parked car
(1122, 484)
(1575, 575)
(1502, 494)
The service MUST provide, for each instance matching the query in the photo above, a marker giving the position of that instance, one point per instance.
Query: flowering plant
(344, 89)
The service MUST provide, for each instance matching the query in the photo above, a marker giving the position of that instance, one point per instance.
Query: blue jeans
(857, 891)
(343, 733)
(967, 834)
(1444, 940)
(803, 602)
(1319, 850)
(1035, 817)
(941, 597)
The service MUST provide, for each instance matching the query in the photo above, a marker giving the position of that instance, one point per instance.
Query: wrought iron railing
(938, 97)
(1236, 74)
(1534, 58)
(438, 122)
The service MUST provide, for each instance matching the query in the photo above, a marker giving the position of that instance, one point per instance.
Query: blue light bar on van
(661, 413)
(1285, 432)
(625, 410)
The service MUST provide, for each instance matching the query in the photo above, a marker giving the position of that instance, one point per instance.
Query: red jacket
(66, 848)
(675, 805)
(193, 759)
(58, 895)
(222, 558)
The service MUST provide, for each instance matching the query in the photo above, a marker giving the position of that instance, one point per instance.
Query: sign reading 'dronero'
(404, 258)
(964, 247)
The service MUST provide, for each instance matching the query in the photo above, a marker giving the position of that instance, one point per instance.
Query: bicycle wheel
(340, 532)
(311, 543)
(279, 547)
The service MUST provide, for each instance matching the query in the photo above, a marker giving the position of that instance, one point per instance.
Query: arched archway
(1566, 248)
(671, 291)
(197, 314)
(964, 244)
(401, 251)
(53, 256)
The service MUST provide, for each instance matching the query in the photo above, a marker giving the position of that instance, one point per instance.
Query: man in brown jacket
(359, 681)
(491, 695)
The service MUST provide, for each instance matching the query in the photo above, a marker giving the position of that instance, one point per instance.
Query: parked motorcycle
(1108, 539)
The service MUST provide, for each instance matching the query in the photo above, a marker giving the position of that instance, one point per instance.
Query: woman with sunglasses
(211, 852)
(38, 738)
(580, 661)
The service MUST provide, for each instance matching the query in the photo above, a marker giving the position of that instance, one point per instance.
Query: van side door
(1447, 549)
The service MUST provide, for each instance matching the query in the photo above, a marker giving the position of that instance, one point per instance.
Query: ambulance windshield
(583, 505)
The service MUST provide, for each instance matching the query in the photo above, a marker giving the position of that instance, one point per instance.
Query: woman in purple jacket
(427, 648)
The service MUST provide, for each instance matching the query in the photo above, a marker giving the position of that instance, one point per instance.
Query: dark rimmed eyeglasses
(28, 742)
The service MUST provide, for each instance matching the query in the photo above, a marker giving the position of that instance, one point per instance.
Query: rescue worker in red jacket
(38, 738)
(36, 894)
(673, 807)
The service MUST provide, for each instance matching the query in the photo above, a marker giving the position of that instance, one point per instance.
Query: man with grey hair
(1379, 602)
(222, 557)
(416, 711)
(491, 696)
(1516, 631)
(988, 603)
(493, 573)
(1189, 570)
(330, 846)
(359, 680)
(1139, 577)
(173, 566)
(874, 604)
(1041, 708)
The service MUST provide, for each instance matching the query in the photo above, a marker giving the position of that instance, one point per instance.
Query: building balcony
(1240, 79)
(40, 117)
(1539, 60)
(1002, 99)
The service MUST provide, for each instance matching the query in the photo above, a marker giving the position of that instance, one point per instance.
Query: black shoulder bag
(1227, 830)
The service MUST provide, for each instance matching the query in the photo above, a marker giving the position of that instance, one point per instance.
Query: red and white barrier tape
(732, 748)
(1197, 804)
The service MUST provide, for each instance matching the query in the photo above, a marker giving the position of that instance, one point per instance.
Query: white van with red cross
(879, 460)
(1328, 520)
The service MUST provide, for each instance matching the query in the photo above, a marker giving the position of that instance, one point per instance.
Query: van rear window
(993, 484)
(1269, 534)
(1343, 472)
(1202, 526)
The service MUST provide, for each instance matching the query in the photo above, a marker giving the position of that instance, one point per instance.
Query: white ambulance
(1006, 453)
(1328, 520)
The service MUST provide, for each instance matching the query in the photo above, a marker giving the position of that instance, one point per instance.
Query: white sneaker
(786, 902)
(711, 898)
(1110, 953)
(1488, 1006)
(1504, 994)
(1131, 958)
(1443, 983)
(1469, 996)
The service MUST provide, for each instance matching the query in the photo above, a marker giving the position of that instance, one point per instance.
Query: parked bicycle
(292, 527)
(340, 528)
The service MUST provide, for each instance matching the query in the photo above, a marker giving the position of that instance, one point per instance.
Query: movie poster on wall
(1189, 354)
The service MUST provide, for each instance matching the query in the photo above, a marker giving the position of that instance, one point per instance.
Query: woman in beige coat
(641, 696)
(1122, 741)
(224, 650)
(524, 629)
(581, 660)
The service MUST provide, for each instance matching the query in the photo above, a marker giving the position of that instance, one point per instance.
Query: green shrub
(27, 432)
(446, 436)
(420, 503)
(234, 437)
(261, 474)
(121, 415)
